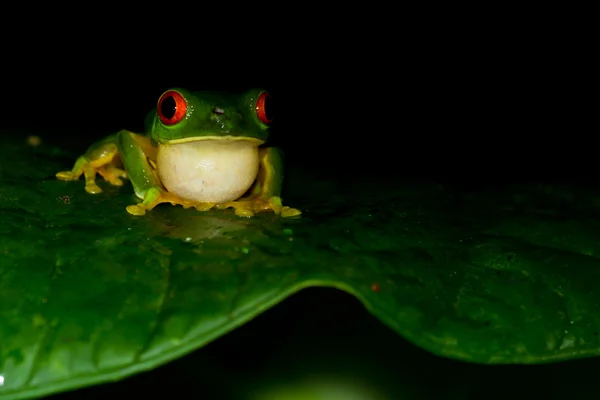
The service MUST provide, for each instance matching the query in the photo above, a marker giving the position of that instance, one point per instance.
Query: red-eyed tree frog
(202, 150)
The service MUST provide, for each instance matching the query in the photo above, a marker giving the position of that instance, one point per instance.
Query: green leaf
(89, 293)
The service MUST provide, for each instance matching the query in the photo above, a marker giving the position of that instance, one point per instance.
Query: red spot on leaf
(375, 287)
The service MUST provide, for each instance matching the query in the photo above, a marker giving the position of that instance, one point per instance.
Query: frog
(202, 149)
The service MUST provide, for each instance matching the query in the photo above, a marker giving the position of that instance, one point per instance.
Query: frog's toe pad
(113, 175)
(287, 212)
(201, 206)
(66, 176)
(249, 207)
(92, 188)
(115, 181)
(244, 212)
(136, 209)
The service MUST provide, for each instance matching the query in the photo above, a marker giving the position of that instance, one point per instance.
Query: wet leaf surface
(89, 293)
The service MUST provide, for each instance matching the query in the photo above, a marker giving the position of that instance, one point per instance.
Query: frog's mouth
(217, 138)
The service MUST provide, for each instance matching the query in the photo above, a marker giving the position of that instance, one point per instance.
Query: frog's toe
(113, 175)
(274, 203)
(244, 212)
(66, 176)
(287, 212)
(152, 198)
(114, 181)
(200, 206)
(92, 188)
(245, 208)
(249, 207)
(136, 209)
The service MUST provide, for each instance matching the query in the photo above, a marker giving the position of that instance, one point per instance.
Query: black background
(379, 100)
(414, 100)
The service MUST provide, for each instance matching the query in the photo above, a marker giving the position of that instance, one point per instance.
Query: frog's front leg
(136, 154)
(101, 158)
(139, 158)
(265, 194)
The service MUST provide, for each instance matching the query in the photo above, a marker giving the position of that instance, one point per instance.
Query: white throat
(213, 171)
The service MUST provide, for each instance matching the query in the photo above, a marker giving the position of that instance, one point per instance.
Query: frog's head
(183, 116)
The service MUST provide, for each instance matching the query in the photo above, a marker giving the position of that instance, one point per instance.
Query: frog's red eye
(171, 108)
(264, 108)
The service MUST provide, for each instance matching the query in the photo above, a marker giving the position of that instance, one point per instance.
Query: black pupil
(268, 108)
(168, 107)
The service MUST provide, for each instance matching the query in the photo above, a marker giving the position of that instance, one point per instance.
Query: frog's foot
(249, 207)
(89, 169)
(155, 196)
(112, 174)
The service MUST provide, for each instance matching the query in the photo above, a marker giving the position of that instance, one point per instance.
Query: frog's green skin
(212, 157)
